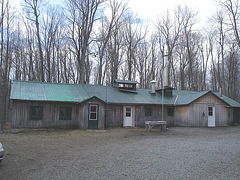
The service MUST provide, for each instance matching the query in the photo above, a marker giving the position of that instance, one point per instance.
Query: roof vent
(126, 85)
(166, 91)
(153, 84)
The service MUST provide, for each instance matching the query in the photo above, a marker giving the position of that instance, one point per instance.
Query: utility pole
(165, 81)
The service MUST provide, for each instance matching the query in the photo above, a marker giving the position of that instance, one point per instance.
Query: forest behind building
(97, 41)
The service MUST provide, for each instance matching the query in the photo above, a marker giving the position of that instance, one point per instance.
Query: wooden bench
(149, 125)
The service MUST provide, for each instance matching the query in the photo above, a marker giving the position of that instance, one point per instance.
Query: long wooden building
(40, 104)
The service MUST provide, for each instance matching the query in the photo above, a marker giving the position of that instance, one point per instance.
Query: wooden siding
(181, 116)
(156, 114)
(133, 116)
(124, 112)
(21, 114)
(196, 114)
(114, 116)
(83, 117)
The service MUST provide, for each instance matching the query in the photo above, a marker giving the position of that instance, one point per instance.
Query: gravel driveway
(178, 153)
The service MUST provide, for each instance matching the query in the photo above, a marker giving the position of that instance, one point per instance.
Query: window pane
(93, 116)
(68, 112)
(128, 109)
(210, 111)
(148, 112)
(93, 108)
(170, 111)
(62, 113)
(128, 112)
(65, 113)
(36, 112)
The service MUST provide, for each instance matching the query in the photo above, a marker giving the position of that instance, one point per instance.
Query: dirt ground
(178, 153)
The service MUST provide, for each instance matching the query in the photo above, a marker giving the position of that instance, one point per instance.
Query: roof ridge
(39, 82)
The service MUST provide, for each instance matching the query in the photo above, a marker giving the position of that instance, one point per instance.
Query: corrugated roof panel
(228, 100)
(38, 91)
(58, 93)
(47, 92)
(187, 97)
(27, 91)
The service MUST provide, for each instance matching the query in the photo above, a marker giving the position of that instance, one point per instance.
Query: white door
(211, 116)
(128, 116)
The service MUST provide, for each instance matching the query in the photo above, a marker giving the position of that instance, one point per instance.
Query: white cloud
(150, 9)
(15, 4)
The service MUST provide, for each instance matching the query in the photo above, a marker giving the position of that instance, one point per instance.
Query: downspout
(162, 104)
(175, 102)
(106, 110)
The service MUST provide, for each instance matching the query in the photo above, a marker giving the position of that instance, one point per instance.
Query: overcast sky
(149, 9)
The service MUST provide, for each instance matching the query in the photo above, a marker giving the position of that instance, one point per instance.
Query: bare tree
(134, 34)
(5, 59)
(115, 50)
(169, 28)
(108, 24)
(232, 8)
(83, 15)
(3, 14)
(232, 67)
(51, 27)
(32, 8)
(189, 20)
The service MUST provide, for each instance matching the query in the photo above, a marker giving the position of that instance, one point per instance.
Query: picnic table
(150, 124)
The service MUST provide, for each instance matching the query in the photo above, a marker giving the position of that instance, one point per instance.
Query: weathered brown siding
(114, 115)
(181, 116)
(196, 114)
(21, 114)
(156, 115)
(83, 116)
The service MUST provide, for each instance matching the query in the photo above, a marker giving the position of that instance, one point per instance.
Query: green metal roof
(36, 91)
(187, 97)
(228, 100)
(77, 93)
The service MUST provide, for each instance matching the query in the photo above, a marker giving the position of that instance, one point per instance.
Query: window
(36, 112)
(65, 113)
(210, 111)
(128, 111)
(93, 112)
(148, 111)
(170, 111)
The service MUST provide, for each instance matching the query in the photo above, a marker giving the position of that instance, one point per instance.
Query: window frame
(128, 112)
(170, 112)
(65, 110)
(148, 111)
(90, 113)
(210, 111)
(36, 112)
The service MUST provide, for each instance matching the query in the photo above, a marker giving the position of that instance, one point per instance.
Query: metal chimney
(220, 91)
(153, 84)
(165, 71)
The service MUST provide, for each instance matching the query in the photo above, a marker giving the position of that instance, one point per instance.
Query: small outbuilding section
(41, 104)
